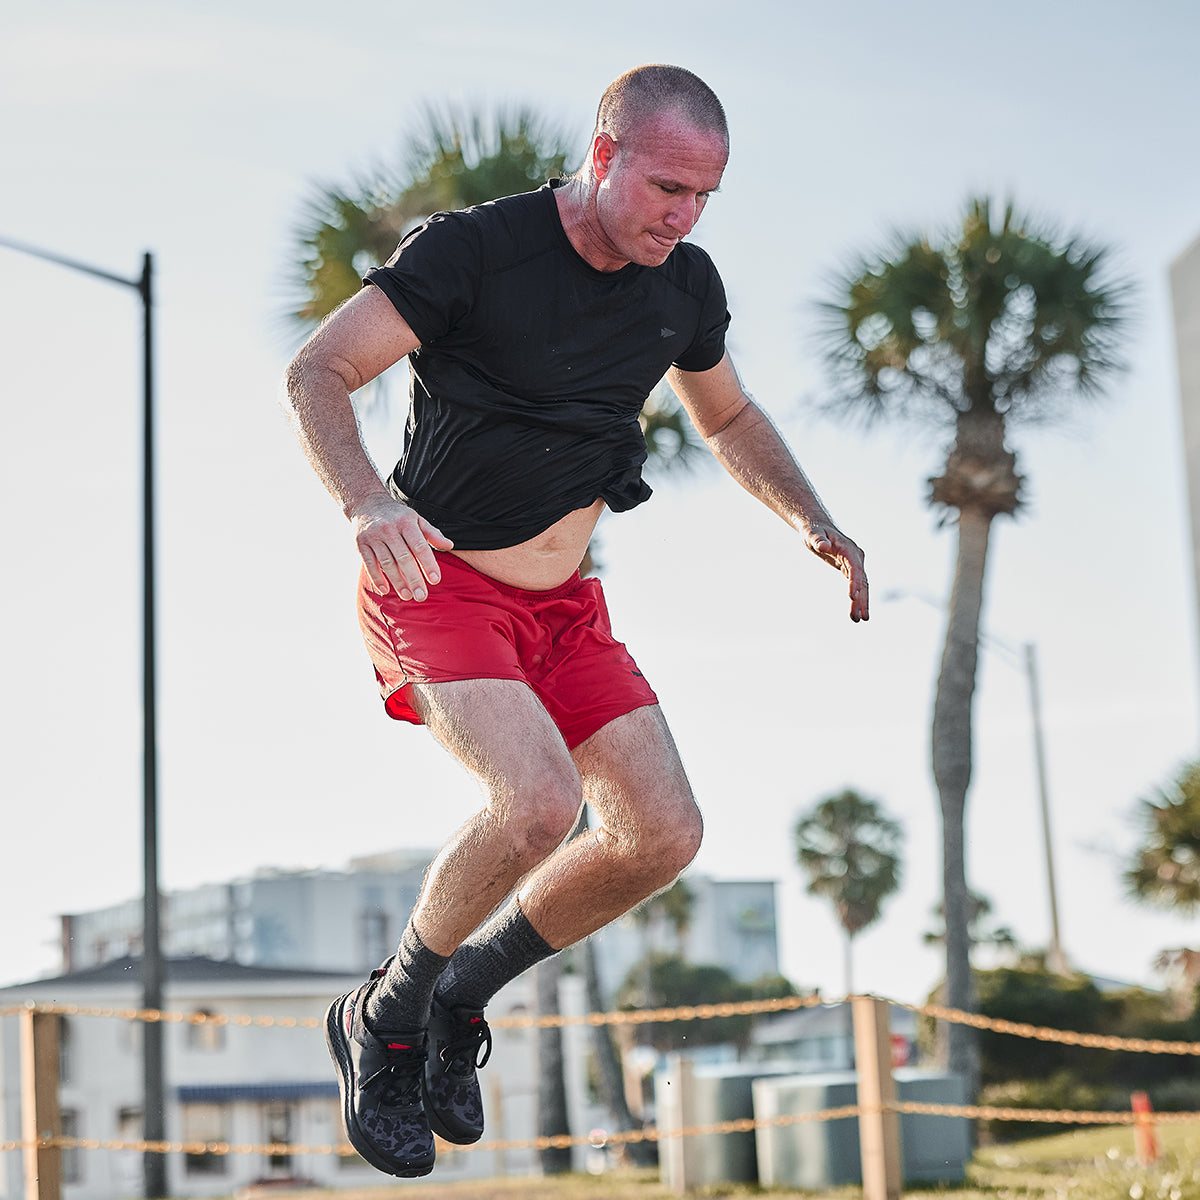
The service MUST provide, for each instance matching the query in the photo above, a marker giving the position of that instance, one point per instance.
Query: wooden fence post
(878, 1125)
(40, 1116)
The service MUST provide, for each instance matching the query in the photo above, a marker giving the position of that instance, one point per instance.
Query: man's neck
(577, 212)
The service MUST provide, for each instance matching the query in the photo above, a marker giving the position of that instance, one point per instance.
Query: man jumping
(535, 327)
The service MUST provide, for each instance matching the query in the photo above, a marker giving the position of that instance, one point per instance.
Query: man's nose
(683, 215)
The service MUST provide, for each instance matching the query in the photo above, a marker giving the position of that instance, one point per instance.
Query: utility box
(823, 1154)
(687, 1095)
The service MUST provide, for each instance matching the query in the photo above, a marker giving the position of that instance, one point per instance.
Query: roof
(191, 970)
(227, 1093)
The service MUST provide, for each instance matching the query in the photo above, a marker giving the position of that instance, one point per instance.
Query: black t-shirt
(533, 366)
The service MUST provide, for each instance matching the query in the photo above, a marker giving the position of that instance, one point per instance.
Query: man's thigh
(632, 774)
(499, 730)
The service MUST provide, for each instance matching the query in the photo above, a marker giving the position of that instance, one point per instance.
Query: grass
(1086, 1164)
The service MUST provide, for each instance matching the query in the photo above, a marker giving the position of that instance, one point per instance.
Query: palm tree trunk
(552, 1090)
(952, 774)
(612, 1076)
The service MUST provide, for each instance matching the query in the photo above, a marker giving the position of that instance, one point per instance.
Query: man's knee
(663, 846)
(542, 810)
(677, 843)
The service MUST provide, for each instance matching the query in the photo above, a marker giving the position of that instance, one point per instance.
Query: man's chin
(657, 253)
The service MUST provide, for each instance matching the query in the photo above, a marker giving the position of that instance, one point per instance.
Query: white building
(1185, 297)
(247, 1084)
(350, 921)
(322, 920)
(283, 944)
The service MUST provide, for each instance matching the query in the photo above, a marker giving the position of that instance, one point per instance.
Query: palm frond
(1000, 313)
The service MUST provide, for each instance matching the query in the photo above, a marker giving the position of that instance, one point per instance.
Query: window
(72, 1156)
(377, 944)
(205, 1123)
(205, 1037)
(277, 1131)
(66, 1065)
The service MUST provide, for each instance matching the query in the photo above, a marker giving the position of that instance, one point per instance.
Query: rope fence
(637, 1017)
(646, 1016)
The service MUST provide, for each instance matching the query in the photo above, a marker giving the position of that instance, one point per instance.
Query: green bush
(1062, 1091)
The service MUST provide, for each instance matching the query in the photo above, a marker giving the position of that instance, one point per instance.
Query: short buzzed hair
(642, 92)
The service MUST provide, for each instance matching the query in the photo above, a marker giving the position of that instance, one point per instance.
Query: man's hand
(397, 545)
(832, 546)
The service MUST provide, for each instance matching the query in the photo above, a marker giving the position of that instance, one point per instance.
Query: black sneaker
(460, 1042)
(379, 1076)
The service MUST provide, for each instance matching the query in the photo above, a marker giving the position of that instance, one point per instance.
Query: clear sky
(197, 131)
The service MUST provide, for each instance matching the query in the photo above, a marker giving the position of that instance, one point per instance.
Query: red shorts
(473, 627)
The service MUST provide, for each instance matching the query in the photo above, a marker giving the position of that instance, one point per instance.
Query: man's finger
(404, 572)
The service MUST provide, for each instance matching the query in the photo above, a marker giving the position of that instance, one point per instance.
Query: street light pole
(153, 1124)
(1055, 959)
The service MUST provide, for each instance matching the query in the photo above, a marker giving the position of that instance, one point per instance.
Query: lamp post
(153, 1164)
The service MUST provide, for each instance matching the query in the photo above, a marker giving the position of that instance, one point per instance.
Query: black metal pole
(154, 1164)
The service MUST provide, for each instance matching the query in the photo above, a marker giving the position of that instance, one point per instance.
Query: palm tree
(1165, 869)
(454, 159)
(850, 851)
(996, 321)
(999, 936)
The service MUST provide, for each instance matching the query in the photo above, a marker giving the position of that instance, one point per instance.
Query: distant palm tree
(1165, 868)
(995, 321)
(675, 906)
(850, 850)
(999, 936)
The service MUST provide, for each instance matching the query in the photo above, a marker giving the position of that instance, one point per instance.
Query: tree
(1165, 868)
(993, 322)
(999, 936)
(453, 159)
(850, 851)
(676, 983)
(674, 906)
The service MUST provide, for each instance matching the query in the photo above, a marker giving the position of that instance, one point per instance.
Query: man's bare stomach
(544, 562)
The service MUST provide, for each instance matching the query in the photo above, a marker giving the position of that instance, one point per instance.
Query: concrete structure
(316, 919)
(247, 1084)
(1185, 298)
(350, 921)
(282, 944)
(821, 1039)
(732, 924)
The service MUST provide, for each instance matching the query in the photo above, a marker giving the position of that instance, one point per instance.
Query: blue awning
(228, 1093)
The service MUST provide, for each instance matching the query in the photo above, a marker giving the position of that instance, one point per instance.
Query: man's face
(653, 186)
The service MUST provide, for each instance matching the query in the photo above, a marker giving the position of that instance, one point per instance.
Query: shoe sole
(335, 1039)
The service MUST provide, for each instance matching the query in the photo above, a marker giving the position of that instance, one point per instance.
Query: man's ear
(604, 150)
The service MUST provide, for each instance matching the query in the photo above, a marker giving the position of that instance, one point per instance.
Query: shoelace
(470, 1049)
(398, 1080)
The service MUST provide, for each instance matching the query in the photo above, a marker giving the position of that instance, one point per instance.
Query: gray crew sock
(400, 1000)
(503, 947)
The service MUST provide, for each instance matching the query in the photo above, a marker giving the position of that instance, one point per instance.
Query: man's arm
(750, 448)
(358, 342)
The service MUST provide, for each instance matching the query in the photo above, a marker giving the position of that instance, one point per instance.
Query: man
(535, 327)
